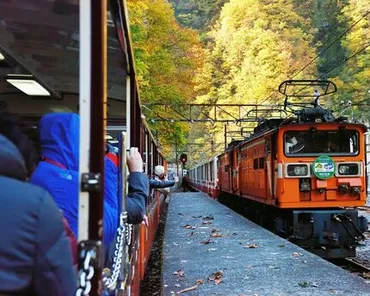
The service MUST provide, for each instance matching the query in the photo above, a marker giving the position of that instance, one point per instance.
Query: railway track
(357, 266)
(354, 265)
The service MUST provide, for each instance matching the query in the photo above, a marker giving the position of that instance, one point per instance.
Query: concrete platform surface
(211, 250)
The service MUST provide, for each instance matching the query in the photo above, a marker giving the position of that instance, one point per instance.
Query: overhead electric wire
(344, 61)
(337, 66)
(323, 51)
(332, 43)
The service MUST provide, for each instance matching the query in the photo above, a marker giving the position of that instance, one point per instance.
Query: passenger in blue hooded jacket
(35, 256)
(58, 173)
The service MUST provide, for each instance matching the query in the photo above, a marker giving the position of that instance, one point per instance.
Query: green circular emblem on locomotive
(323, 167)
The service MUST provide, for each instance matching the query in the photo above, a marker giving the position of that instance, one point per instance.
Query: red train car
(42, 45)
(204, 177)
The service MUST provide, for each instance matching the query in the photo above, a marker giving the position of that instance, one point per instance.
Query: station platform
(211, 250)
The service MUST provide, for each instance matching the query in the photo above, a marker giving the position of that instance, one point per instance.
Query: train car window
(316, 142)
(255, 164)
(261, 161)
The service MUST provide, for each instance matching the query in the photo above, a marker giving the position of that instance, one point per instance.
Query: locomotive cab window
(317, 142)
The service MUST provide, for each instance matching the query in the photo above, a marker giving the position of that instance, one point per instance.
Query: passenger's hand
(134, 160)
(145, 221)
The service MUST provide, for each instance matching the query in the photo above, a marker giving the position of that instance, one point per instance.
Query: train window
(316, 142)
(261, 161)
(255, 164)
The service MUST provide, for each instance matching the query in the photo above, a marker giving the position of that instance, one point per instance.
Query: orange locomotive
(301, 175)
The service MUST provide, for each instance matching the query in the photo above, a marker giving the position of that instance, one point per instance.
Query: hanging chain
(129, 230)
(85, 275)
(110, 277)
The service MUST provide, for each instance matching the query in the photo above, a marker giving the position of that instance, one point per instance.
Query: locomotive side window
(316, 142)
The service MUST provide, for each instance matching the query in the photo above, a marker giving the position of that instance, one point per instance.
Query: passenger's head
(59, 137)
(159, 171)
(10, 129)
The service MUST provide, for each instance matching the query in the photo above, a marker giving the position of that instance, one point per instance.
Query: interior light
(27, 84)
(1, 57)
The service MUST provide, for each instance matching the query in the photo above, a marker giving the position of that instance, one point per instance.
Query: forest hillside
(239, 51)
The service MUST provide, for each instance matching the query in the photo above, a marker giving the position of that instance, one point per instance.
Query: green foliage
(354, 76)
(327, 18)
(197, 14)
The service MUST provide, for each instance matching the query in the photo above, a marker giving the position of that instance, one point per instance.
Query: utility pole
(176, 157)
(225, 137)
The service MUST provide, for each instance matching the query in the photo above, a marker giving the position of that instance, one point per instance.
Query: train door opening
(235, 170)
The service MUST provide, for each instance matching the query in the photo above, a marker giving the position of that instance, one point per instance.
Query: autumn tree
(254, 46)
(167, 57)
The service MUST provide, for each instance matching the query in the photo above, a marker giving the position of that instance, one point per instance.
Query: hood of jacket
(59, 137)
(12, 163)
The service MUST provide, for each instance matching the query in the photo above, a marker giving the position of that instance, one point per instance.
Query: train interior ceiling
(40, 45)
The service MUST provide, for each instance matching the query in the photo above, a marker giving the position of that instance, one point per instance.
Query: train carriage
(76, 56)
(205, 177)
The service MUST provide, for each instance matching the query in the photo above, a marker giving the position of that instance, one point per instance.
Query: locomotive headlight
(297, 170)
(348, 169)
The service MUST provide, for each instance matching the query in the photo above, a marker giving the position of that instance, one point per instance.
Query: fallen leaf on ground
(187, 290)
(216, 277)
(206, 222)
(180, 272)
(216, 234)
(296, 254)
(188, 226)
(250, 246)
(305, 284)
(213, 230)
(197, 216)
(206, 242)
(199, 282)
(366, 275)
(208, 218)
(191, 233)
